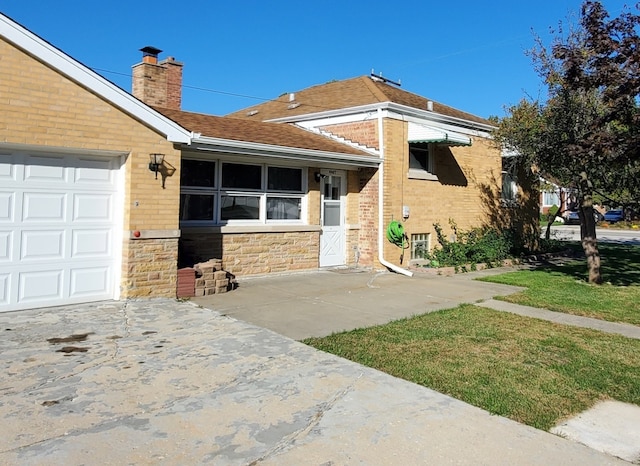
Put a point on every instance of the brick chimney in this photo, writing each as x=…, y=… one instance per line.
x=158, y=83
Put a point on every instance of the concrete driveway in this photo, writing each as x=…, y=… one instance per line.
x=320, y=303
x=165, y=382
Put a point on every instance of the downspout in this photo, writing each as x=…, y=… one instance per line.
x=381, y=259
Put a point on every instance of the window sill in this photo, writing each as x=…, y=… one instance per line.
x=250, y=228
x=421, y=175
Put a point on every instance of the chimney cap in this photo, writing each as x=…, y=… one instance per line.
x=150, y=51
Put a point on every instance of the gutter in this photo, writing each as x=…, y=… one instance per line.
x=267, y=150
x=381, y=259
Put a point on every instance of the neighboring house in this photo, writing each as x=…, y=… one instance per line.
x=83, y=216
x=552, y=194
x=440, y=164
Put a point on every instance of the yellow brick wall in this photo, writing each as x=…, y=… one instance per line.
x=38, y=106
x=463, y=193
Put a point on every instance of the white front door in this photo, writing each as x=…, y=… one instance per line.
x=58, y=217
x=332, y=236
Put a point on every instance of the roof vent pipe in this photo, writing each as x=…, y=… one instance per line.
x=430, y=105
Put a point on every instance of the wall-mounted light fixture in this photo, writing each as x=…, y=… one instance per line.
x=318, y=176
x=155, y=160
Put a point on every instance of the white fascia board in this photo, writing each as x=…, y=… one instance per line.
x=506, y=153
x=282, y=152
x=437, y=117
x=76, y=71
x=393, y=110
x=350, y=112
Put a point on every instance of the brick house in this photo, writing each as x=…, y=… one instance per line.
x=85, y=216
x=439, y=163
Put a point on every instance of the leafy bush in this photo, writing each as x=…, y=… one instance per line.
x=553, y=210
x=477, y=245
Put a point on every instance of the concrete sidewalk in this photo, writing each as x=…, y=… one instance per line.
x=164, y=382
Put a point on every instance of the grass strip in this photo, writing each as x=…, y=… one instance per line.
x=532, y=371
x=562, y=286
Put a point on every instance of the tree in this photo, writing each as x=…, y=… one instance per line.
x=586, y=135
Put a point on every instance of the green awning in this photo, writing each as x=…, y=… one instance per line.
x=423, y=133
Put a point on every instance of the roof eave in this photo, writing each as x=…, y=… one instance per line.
x=283, y=152
x=76, y=71
x=391, y=106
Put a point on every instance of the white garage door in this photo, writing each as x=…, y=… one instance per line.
x=58, y=217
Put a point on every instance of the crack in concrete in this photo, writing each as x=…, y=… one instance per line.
x=313, y=421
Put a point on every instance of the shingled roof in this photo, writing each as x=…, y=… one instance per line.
x=354, y=92
x=257, y=132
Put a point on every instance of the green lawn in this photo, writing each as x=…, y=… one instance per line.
x=532, y=371
x=562, y=287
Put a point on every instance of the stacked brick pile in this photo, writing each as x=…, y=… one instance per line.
x=203, y=279
x=212, y=279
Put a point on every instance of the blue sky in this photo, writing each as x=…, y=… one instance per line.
x=236, y=53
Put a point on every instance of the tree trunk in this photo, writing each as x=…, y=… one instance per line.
x=588, y=231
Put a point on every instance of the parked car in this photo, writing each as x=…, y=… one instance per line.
x=573, y=218
x=614, y=216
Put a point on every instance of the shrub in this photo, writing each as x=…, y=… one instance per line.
x=551, y=213
x=477, y=245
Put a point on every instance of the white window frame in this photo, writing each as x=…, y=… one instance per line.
x=509, y=198
x=218, y=191
x=548, y=194
x=418, y=172
x=420, y=238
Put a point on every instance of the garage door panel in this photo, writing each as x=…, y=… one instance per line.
x=7, y=207
x=40, y=169
x=95, y=171
x=5, y=286
x=42, y=245
x=40, y=286
x=90, y=281
x=6, y=245
x=91, y=244
x=44, y=207
x=92, y=207
x=8, y=168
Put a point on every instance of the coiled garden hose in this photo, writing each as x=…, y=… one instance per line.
x=397, y=236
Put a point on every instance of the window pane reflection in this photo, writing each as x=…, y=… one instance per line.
x=332, y=214
x=239, y=208
x=283, y=208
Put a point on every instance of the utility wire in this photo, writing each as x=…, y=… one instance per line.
x=214, y=91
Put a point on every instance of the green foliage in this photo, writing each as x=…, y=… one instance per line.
x=585, y=133
x=553, y=210
x=477, y=245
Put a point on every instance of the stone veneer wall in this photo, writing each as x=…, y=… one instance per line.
x=252, y=253
x=149, y=267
